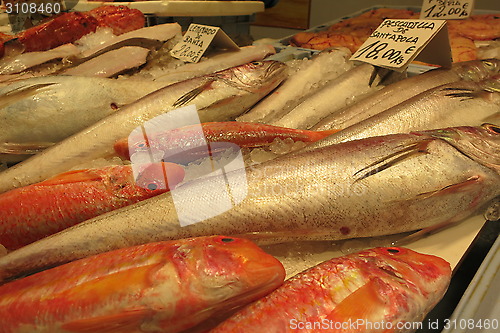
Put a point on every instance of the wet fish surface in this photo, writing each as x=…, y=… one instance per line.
x=30, y=213
x=398, y=92
x=39, y=112
x=389, y=289
x=157, y=287
x=362, y=188
x=460, y=103
x=218, y=97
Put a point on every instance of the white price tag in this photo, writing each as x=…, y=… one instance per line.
x=397, y=42
x=446, y=9
x=197, y=39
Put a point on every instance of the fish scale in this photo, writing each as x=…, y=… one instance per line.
x=227, y=94
x=347, y=294
x=313, y=195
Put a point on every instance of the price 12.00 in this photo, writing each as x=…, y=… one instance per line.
x=378, y=50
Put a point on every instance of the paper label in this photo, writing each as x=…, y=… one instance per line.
x=446, y=9
x=395, y=43
x=197, y=39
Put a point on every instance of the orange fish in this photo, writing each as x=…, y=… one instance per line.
x=33, y=212
x=157, y=287
x=188, y=143
x=377, y=290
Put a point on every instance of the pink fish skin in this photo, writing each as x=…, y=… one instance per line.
x=33, y=212
x=381, y=286
x=157, y=287
x=188, y=143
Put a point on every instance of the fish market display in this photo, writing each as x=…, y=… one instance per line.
x=36, y=211
x=377, y=290
x=362, y=188
x=189, y=143
x=157, y=287
x=352, y=32
x=312, y=75
x=218, y=97
x=39, y=112
x=454, y=104
x=399, y=92
x=333, y=96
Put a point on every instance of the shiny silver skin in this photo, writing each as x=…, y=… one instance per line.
x=398, y=92
x=371, y=187
x=220, y=96
x=462, y=103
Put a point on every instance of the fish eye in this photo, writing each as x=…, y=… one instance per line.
x=392, y=250
x=152, y=186
x=256, y=63
x=140, y=145
x=492, y=128
x=227, y=240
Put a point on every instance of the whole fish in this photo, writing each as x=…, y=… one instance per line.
x=311, y=75
x=188, y=143
x=215, y=63
x=461, y=103
x=39, y=112
x=35, y=211
x=378, y=290
x=157, y=287
x=218, y=97
x=335, y=95
x=398, y=92
x=362, y=188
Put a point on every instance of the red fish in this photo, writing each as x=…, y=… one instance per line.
x=69, y=27
x=189, y=143
x=378, y=290
x=33, y=212
x=156, y=287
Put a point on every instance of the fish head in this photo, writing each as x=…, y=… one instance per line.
x=235, y=271
x=258, y=75
x=152, y=179
x=480, y=143
x=430, y=274
x=476, y=70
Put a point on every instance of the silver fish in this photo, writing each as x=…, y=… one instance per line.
x=218, y=97
x=39, y=112
x=398, y=92
x=332, y=97
x=311, y=75
x=371, y=187
x=462, y=103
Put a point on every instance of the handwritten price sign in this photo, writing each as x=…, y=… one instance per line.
x=395, y=43
x=196, y=41
x=446, y=9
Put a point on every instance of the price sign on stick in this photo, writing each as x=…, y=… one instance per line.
x=395, y=43
x=446, y=9
x=197, y=39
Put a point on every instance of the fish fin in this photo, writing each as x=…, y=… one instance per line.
x=362, y=303
x=393, y=159
x=127, y=321
x=76, y=176
x=466, y=185
x=190, y=95
x=18, y=93
x=27, y=148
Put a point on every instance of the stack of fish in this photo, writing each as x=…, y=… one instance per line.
x=136, y=247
